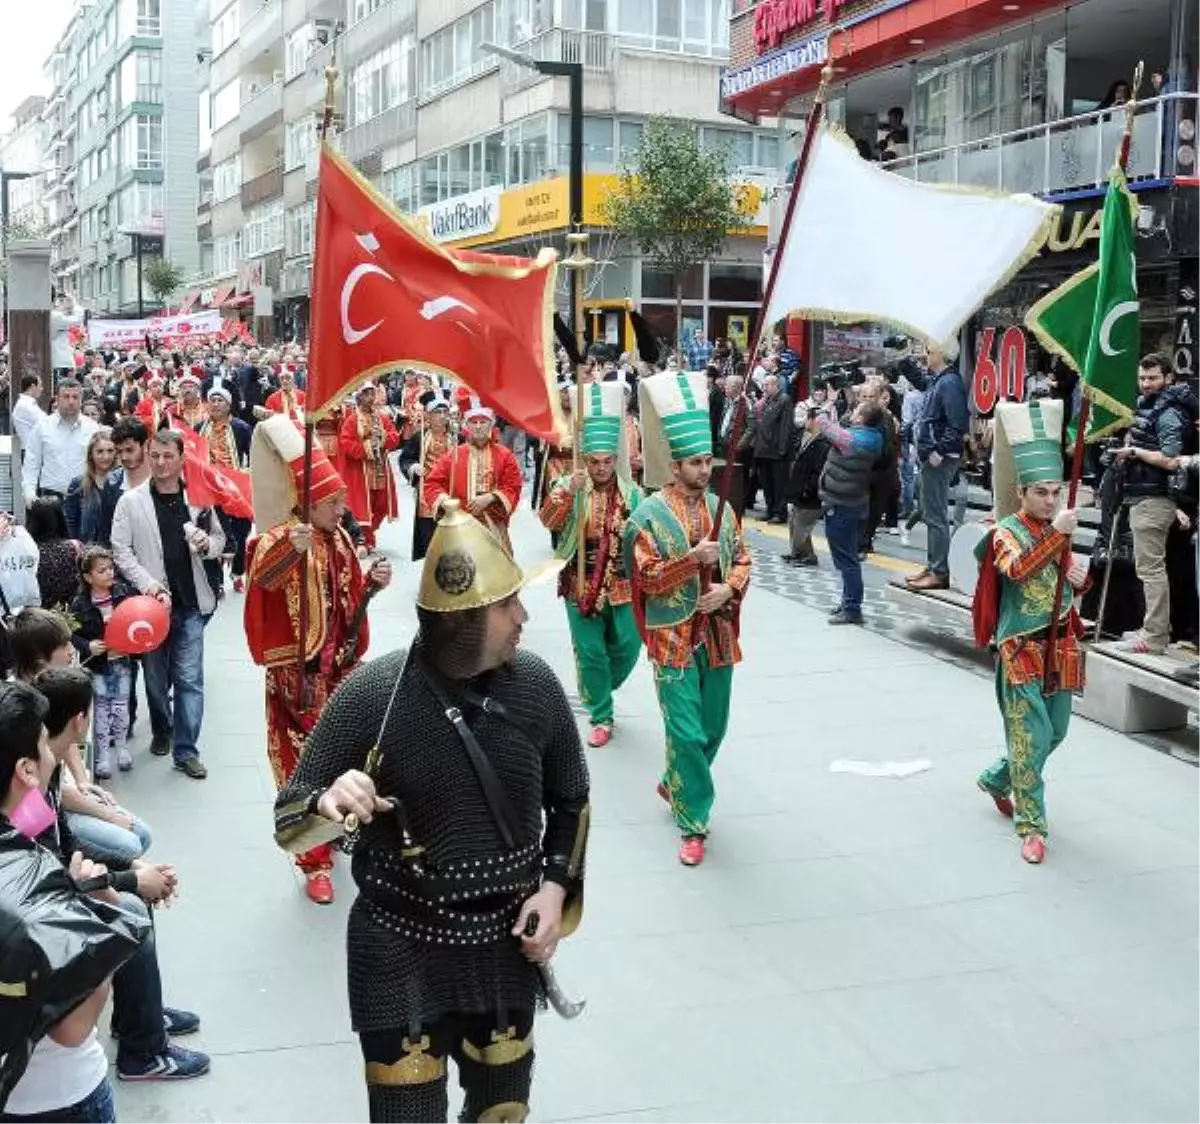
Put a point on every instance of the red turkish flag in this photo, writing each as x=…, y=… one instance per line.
x=208, y=485
x=385, y=296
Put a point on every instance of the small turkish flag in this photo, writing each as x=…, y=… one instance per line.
x=386, y=296
x=208, y=485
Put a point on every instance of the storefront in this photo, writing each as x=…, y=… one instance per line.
x=720, y=296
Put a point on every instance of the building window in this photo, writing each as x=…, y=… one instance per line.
x=518, y=21
x=263, y=229
x=597, y=143
x=227, y=253
x=225, y=30
x=453, y=55
x=299, y=235
x=227, y=178
x=299, y=142
x=360, y=9
x=296, y=57
x=140, y=207
x=382, y=81
x=398, y=184
x=141, y=142
x=586, y=15
x=738, y=143
x=205, y=112
x=226, y=105
x=141, y=77
x=139, y=17
x=694, y=26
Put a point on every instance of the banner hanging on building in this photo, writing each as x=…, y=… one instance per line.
x=116, y=333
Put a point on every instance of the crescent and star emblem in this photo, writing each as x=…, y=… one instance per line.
x=135, y=628
x=1117, y=312
x=352, y=334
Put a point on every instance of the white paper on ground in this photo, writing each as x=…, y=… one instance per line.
x=881, y=768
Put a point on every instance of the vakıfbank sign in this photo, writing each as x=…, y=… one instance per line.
x=464, y=216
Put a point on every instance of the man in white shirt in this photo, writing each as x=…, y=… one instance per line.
x=57, y=451
x=27, y=410
x=66, y=314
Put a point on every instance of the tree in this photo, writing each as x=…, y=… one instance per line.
x=162, y=278
x=675, y=202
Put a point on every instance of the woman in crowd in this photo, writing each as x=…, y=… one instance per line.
x=92, y=497
x=58, y=553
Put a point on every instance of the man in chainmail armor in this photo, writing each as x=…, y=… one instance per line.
x=456, y=771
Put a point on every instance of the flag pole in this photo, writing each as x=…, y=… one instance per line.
x=577, y=263
x=1050, y=675
x=303, y=608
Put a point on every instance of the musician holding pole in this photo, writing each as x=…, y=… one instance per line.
x=338, y=593
x=687, y=586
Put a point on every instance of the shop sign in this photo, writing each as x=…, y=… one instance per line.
x=1074, y=231
x=773, y=19
x=464, y=216
x=1001, y=378
x=792, y=59
x=1187, y=322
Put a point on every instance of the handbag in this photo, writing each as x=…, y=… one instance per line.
x=19, y=556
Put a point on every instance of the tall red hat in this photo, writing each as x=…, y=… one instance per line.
x=277, y=471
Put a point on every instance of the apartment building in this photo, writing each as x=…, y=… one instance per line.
x=120, y=156
x=21, y=151
x=442, y=125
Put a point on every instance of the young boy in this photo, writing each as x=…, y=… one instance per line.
x=140, y=1021
x=1019, y=563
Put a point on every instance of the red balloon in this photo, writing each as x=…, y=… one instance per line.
x=139, y=624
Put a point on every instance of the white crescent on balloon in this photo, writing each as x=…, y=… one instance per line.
x=135, y=628
x=1124, y=308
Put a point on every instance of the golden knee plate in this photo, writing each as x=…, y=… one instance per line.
x=512, y=1112
x=504, y=1049
x=417, y=1067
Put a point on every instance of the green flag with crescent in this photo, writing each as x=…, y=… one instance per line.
x=1092, y=320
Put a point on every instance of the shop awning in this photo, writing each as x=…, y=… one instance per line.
x=221, y=295
x=239, y=301
x=189, y=300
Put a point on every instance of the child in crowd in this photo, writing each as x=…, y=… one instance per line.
x=100, y=593
x=104, y=831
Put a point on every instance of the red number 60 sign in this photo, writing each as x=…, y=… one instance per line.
x=998, y=378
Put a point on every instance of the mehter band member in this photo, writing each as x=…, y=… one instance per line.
x=456, y=770
x=431, y=441
x=367, y=436
x=687, y=594
x=338, y=593
x=481, y=474
x=603, y=630
x=1014, y=602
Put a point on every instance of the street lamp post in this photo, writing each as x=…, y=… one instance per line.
x=573, y=72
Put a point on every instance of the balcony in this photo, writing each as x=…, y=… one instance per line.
x=263, y=31
x=269, y=185
x=384, y=128
x=595, y=49
x=379, y=28
x=258, y=109
x=1071, y=154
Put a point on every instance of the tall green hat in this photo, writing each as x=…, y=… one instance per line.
x=603, y=418
x=675, y=421
x=1028, y=448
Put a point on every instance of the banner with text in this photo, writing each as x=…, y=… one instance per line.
x=117, y=333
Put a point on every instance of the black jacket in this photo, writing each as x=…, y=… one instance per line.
x=810, y=451
x=774, y=435
x=89, y=626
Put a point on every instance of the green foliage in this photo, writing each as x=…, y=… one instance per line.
x=674, y=201
x=162, y=278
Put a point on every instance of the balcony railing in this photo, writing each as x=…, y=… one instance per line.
x=269, y=185
x=262, y=31
x=261, y=105
x=1071, y=154
x=595, y=49
x=374, y=30
x=384, y=128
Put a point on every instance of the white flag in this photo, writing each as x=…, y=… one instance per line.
x=868, y=244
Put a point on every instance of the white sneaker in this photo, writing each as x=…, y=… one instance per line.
x=905, y=538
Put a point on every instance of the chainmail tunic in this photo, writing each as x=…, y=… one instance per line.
x=403, y=967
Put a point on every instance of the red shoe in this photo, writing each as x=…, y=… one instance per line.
x=1004, y=804
x=319, y=889
x=691, y=850
x=1033, y=849
x=601, y=735
x=661, y=789
x=239, y=585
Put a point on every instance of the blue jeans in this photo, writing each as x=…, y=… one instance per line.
x=935, y=499
x=908, y=478
x=842, y=527
x=177, y=667
x=137, y=1005
x=96, y=1108
x=107, y=843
